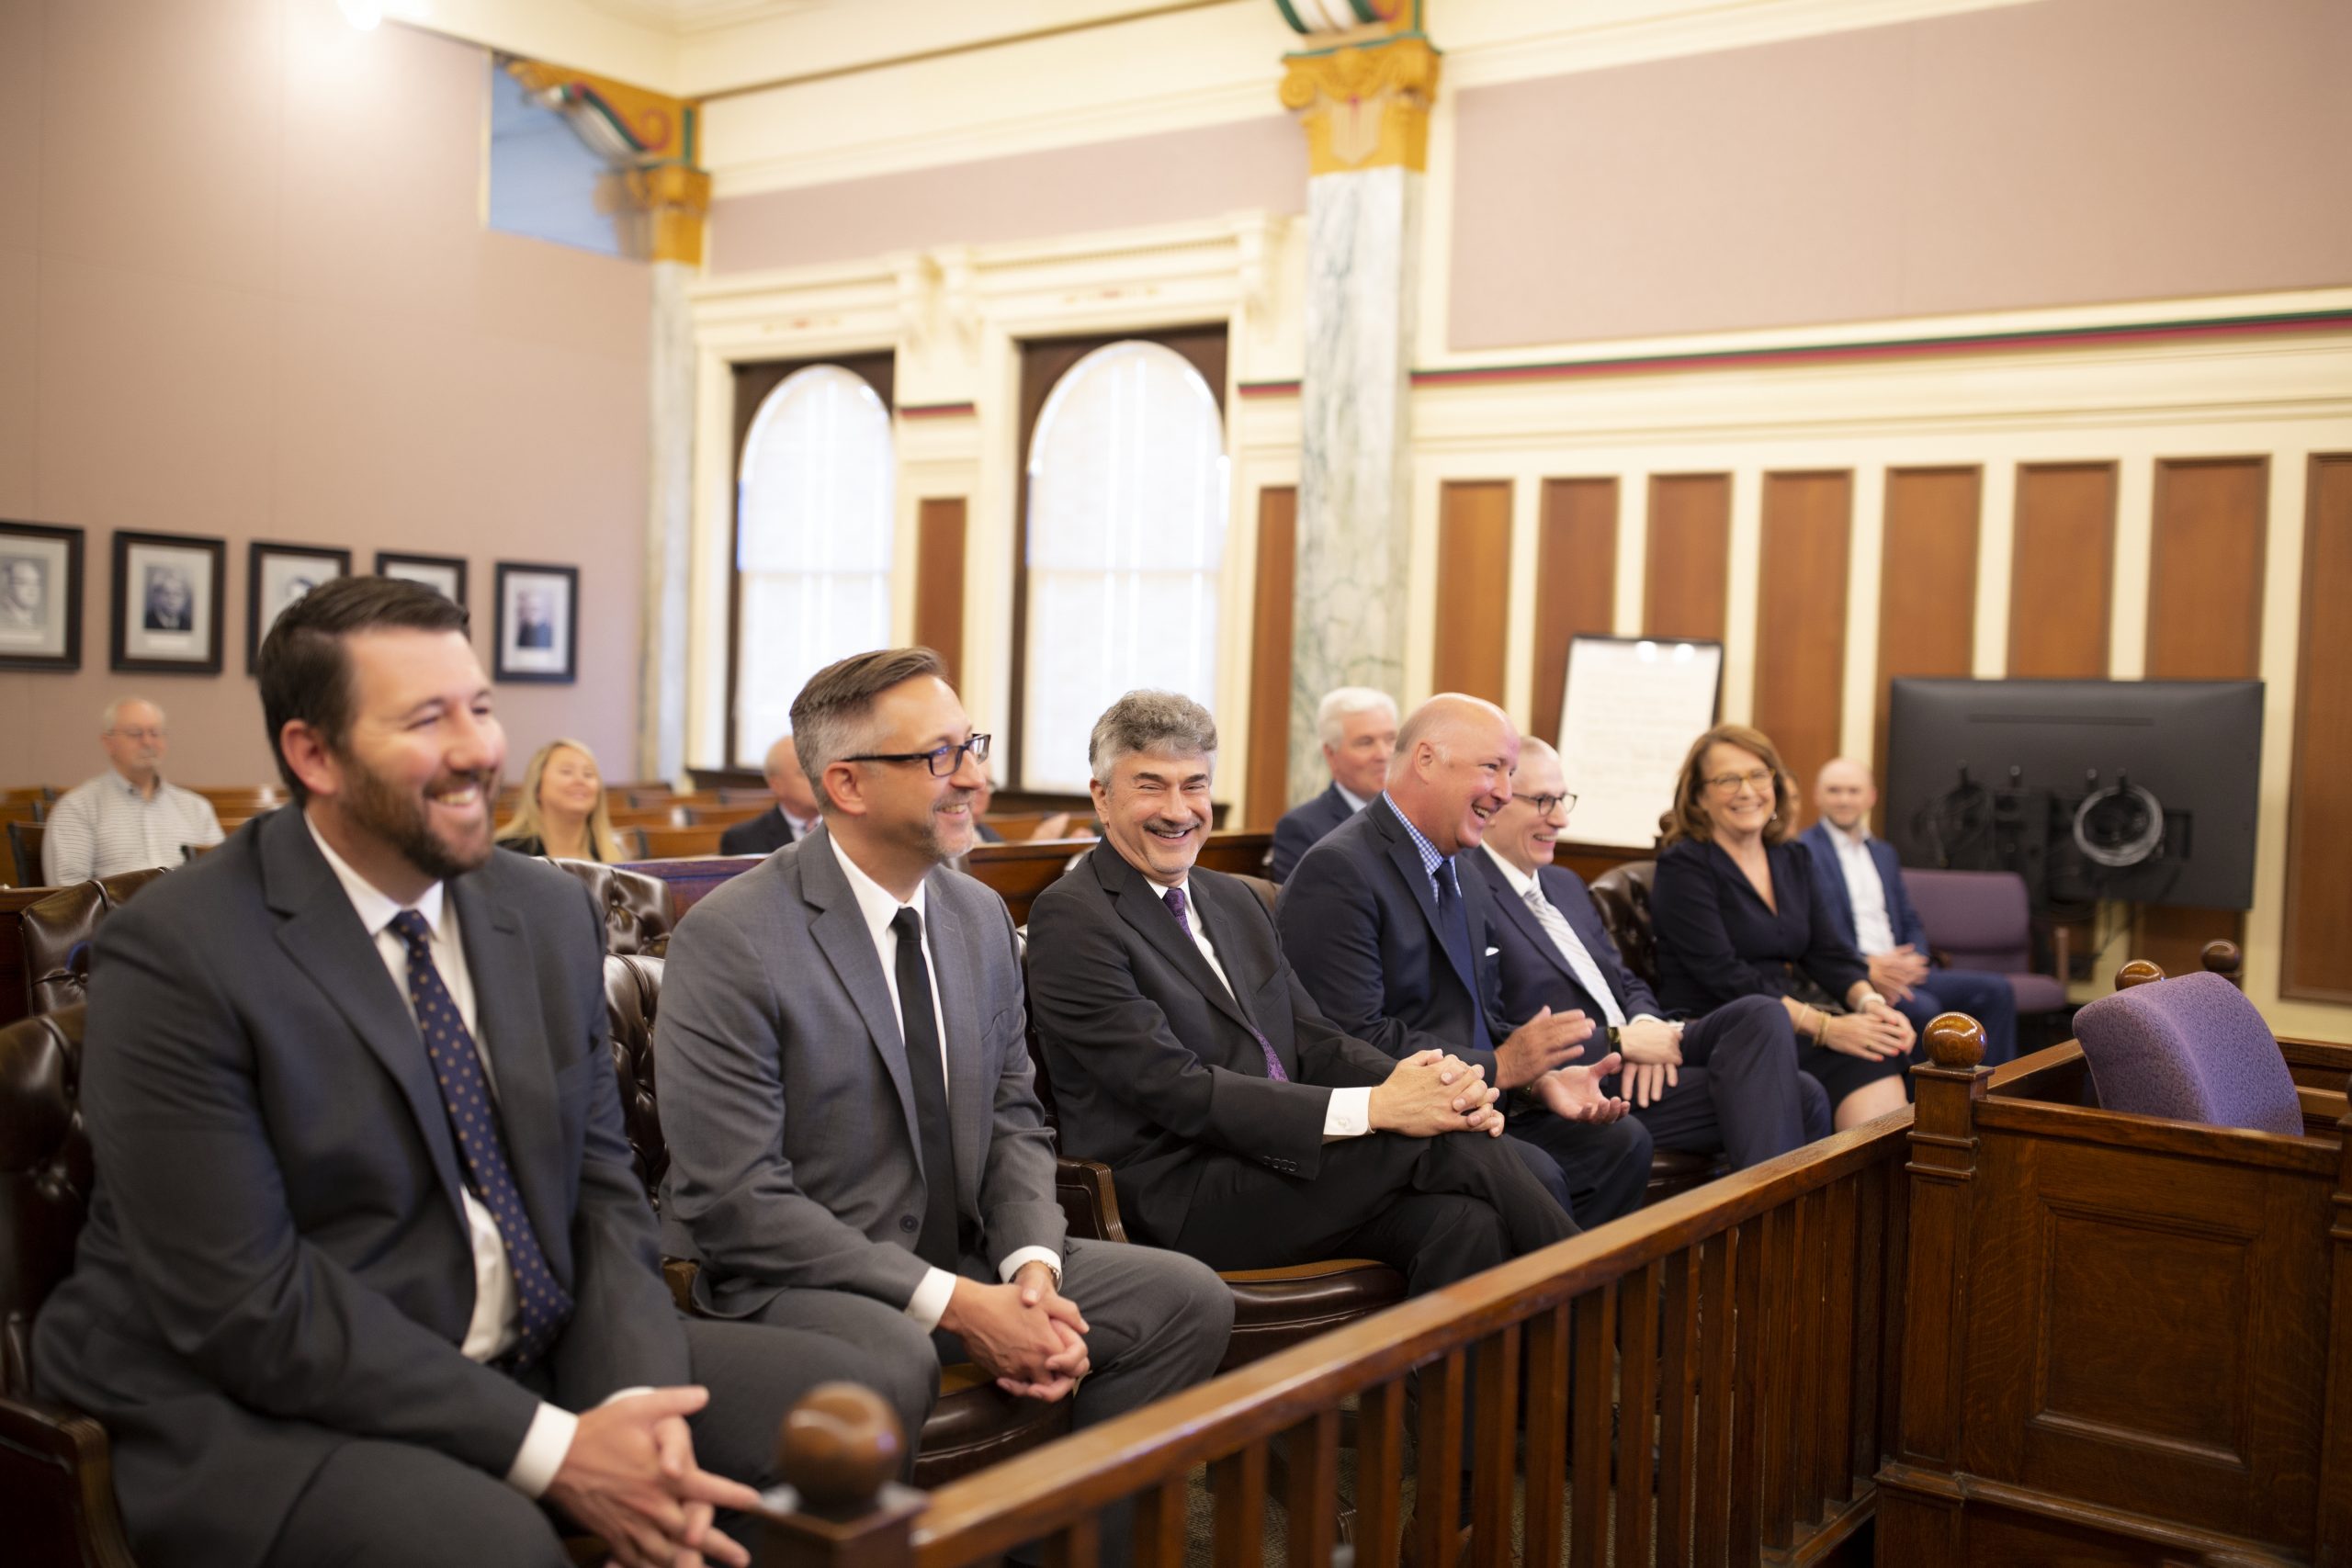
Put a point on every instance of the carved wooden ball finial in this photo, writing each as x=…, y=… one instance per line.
x=1955, y=1040
x=840, y=1445
x=2221, y=957
x=2139, y=972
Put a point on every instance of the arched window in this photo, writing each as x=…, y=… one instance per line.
x=812, y=544
x=1126, y=538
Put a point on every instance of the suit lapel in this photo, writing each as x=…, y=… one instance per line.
x=1832, y=867
x=842, y=935
x=1138, y=902
x=1516, y=911
x=321, y=932
x=515, y=1035
x=1567, y=895
x=1406, y=857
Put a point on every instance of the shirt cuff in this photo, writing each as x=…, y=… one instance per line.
x=1349, y=1113
x=929, y=1303
x=1044, y=1255
x=543, y=1449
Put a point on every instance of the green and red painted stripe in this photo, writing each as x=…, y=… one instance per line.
x=1834, y=352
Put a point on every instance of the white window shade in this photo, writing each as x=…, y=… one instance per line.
x=1126, y=542
x=812, y=544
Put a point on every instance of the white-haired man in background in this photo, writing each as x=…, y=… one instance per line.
x=1358, y=725
x=127, y=818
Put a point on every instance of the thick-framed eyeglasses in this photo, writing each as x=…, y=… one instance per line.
x=1546, y=804
x=942, y=762
x=1757, y=779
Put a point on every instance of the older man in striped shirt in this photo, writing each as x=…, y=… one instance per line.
x=127, y=818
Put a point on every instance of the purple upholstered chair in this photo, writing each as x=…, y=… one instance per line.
x=2192, y=1049
x=1979, y=919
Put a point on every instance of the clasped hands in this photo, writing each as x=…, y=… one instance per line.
x=1432, y=1092
x=1894, y=972
x=1027, y=1334
x=630, y=1477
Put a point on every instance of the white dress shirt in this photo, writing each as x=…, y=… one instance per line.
x=880, y=905
x=493, y=1329
x=1873, y=928
x=1355, y=802
x=1349, y=1115
x=1555, y=925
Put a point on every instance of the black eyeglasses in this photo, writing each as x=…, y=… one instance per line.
x=942, y=762
x=1544, y=804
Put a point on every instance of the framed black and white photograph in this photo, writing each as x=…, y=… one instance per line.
x=40, y=597
x=538, y=622
x=446, y=575
x=276, y=576
x=167, y=602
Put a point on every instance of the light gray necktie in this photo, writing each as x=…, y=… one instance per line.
x=1563, y=937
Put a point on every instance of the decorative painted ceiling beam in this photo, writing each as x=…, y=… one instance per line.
x=648, y=138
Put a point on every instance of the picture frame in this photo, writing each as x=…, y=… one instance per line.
x=40, y=596
x=538, y=623
x=169, y=591
x=277, y=574
x=446, y=575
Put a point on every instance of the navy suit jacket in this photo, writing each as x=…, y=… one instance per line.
x=1359, y=922
x=1900, y=915
x=1301, y=827
x=763, y=835
x=1535, y=974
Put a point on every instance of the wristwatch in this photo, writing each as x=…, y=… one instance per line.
x=1614, y=1031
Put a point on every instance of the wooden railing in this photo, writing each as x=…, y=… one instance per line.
x=1759, y=1316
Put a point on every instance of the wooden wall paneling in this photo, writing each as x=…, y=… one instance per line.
x=2205, y=576
x=1576, y=584
x=1687, y=565
x=1801, y=618
x=2316, y=964
x=1265, y=792
x=939, y=579
x=1473, y=588
x=2062, y=574
x=1927, y=590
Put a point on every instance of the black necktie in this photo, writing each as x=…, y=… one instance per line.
x=937, y=1246
x=1175, y=899
x=1453, y=924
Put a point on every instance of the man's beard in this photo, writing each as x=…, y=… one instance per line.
x=931, y=836
x=402, y=821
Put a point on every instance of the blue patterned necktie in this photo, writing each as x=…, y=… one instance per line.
x=465, y=1093
x=1453, y=925
x=1175, y=899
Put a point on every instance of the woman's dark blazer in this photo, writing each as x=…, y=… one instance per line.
x=1717, y=941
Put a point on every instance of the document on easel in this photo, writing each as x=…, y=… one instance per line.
x=1631, y=708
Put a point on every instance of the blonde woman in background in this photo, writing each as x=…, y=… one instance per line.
x=562, y=813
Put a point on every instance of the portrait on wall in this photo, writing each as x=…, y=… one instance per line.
x=275, y=577
x=446, y=575
x=167, y=602
x=40, y=597
x=538, y=617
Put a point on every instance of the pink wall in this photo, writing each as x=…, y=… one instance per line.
x=2062, y=152
x=1246, y=165
x=245, y=292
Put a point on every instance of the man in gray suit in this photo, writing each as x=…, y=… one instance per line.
x=855, y=1143
x=368, y=1275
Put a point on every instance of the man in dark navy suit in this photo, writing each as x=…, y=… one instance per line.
x=1865, y=886
x=1391, y=936
x=792, y=816
x=1727, y=1081
x=1359, y=729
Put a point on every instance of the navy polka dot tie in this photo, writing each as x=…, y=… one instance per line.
x=457, y=1067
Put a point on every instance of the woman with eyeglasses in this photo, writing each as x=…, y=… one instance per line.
x=1738, y=911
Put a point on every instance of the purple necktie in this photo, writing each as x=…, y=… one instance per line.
x=1175, y=899
x=465, y=1094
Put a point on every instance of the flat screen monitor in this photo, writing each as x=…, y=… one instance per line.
x=2143, y=791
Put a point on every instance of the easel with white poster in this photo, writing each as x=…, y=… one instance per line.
x=1631, y=708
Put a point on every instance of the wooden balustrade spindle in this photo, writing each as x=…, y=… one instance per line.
x=1077, y=1546
x=1637, y=1307
x=1380, y=1472
x=1588, y=1393
x=1311, y=1498
x=1749, y=1357
x=1238, y=1483
x=1160, y=1524
x=1776, y=1448
x=1870, y=1254
x=1835, y=1475
x=1548, y=1384
x=1718, y=1347
x=1437, y=1490
x=1677, y=1388
x=1816, y=1351
x=1493, y=1462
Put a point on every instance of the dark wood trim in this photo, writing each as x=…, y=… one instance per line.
x=1044, y=362
x=753, y=382
x=1470, y=648
x=1926, y=583
x=1576, y=586
x=939, y=579
x=2316, y=946
x=1801, y=591
x=2062, y=573
x=1266, y=793
x=1686, y=564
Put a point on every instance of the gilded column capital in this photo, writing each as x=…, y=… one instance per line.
x=675, y=201
x=1366, y=107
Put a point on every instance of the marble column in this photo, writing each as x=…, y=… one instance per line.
x=673, y=200
x=1365, y=111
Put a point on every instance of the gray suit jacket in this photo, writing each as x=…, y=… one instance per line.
x=786, y=1101
x=277, y=1260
